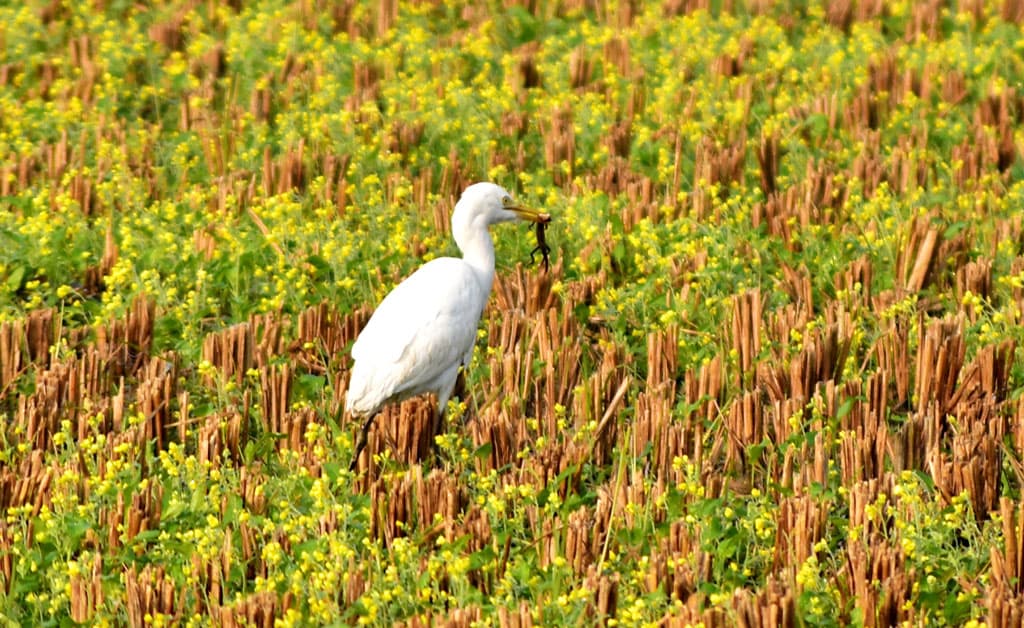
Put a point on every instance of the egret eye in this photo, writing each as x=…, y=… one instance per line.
x=506, y=200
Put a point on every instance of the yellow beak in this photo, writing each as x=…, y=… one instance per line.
x=531, y=215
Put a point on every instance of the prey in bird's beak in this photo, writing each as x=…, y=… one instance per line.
x=542, y=246
x=535, y=216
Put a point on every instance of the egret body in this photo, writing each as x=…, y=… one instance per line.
x=424, y=330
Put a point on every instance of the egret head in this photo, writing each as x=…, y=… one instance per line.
x=492, y=204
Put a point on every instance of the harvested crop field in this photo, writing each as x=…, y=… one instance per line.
x=772, y=377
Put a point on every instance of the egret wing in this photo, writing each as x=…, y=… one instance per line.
x=431, y=317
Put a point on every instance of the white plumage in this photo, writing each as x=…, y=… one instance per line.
x=424, y=330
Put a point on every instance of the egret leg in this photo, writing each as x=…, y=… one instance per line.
x=438, y=424
x=462, y=392
x=361, y=444
x=460, y=386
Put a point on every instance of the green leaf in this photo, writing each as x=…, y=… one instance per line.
x=262, y=447
x=320, y=264
x=483, y=452
x=14, y=278
x=817, y=125
x=308, y=386
x=755, y=451
x=727, y=546
x=845, y=407
x=619, y=252
x=75, y=530
x=331, y=470
x=954, y=229
x=234, y=506
x=148, y=535
x=482, y=557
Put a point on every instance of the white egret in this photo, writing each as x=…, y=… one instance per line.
x=424, y=330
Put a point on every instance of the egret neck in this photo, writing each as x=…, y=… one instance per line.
x=474, y=240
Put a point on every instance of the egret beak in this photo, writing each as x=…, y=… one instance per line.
x=532, y=215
